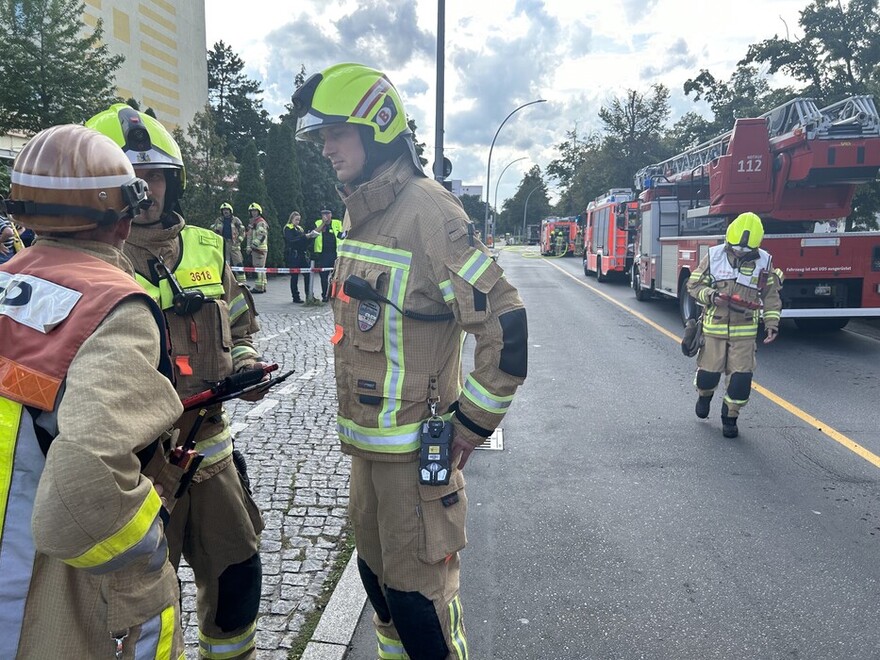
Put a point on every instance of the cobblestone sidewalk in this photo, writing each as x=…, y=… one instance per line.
x=298, y=474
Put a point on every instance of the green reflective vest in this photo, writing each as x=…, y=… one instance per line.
x=201, y=267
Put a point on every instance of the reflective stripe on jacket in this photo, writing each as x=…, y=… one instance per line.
x=408, y=239
x=78, y=518
x=335, y=227
x=754, y=281
x=201, y=267
x=211, y=343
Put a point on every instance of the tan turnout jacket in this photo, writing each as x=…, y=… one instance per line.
x=410, y=240
x=753, y=280
x=87, y=588
x=206, y=346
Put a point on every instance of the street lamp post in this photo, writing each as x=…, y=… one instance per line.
x=526, y=210
x=498, y=183
x=489, y=163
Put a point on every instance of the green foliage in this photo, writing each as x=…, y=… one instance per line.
x=210, y=173
x=866, y=208
x=252, y=188
x=420, y=146
x=53, y=69
x=528, y=206
x=240, y=119
x=573, y=154
x=283, y=178
x=746, y=94
x=634, y=127
x=836, y=57
x=474, y=207
x=5, y=182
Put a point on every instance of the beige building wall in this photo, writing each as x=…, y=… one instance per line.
x=164, y=44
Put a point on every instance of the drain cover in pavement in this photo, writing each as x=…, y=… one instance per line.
x=494, y=442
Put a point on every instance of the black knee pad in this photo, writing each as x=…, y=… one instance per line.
x=417, y=624
x=707, y=380
x=238, y=594
x=374, y=591
x=740, y=385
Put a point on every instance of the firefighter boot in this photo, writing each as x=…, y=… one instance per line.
x=728, y=424
x=702, y=407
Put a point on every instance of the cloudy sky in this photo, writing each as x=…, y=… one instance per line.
x=579, y=55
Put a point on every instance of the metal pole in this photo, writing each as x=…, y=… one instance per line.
x=489, y=162
x=498, y=183
x=438, y=120
x=526, y=209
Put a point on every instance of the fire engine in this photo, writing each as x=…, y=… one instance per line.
x=549, y=230
x=797, y=167
x=609, y=231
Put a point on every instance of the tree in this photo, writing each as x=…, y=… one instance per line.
x=5, y=179
x=53, y=69
x=533, y=188
x=573, y=154
x=252, y=188
x=283, y=178
x=420, y=146
x=474, y=207
x=210, y=172
x=746, y=94
x=239, y=118
x=634, y=128
x=689, y=131
x=838, y=54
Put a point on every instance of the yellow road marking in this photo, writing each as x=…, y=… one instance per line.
x=817, y=424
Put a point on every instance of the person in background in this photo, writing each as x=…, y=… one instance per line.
x=211, y=320
x=7, y=239
x=328, y=235
x=296, y=254
x=231, y=228
x=258, y=244
x=82, y=545
x=409, y=282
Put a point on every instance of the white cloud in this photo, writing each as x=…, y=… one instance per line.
x=499, y=55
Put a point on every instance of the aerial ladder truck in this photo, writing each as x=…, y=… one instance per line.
x=796, y=166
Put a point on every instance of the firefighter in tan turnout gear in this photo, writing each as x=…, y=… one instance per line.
x=409, y=280
x=210, y=318
x=85, y=392
x=258, y=244
x=737, y=284
x=231, y=228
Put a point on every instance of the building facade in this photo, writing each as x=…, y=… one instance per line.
x=164, y=44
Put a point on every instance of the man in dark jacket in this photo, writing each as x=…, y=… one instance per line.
x=296, y=254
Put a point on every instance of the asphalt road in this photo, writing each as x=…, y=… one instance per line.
x=616, y=525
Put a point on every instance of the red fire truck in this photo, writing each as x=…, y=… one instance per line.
x=797, y=167
x=550, y=229
x=609, y=231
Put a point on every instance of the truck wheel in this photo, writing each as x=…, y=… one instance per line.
x=641, y=294
x=600, y=277
x=687, y=306
x=587, y=271
x=820, y=325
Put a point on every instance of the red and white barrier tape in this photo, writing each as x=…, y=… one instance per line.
x=278, y=271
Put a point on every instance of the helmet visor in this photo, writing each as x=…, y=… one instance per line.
x=307, y=126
